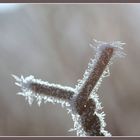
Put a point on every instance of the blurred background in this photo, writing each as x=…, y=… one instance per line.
x=51, y=42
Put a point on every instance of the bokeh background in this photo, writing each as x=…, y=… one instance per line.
x=51, y=42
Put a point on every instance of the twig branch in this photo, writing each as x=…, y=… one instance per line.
x=34, y=86
x=93, y=77
x=59, y=92
x=84, y=109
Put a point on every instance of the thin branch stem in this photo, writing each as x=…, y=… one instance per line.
x=59, y=92
x=85, y=107
x=93, y=77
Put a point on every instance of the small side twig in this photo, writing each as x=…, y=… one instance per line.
x=83, y=107
x=58, y=92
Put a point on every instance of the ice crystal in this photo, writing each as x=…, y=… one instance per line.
x=98, y=46
x=77, y=125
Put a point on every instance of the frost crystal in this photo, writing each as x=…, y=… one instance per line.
x=98, y=46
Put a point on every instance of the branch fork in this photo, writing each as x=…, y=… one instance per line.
x=82, y=101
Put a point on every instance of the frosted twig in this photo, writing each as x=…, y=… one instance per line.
x=93, y=77
x=85, y=106
x=81, y=101
x=53, y=90
x=34, y=88
x=93, y=122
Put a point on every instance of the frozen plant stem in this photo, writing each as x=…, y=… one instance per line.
x=52, y=90
x=90, y=120
x=93, y=78
x=82, y=101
